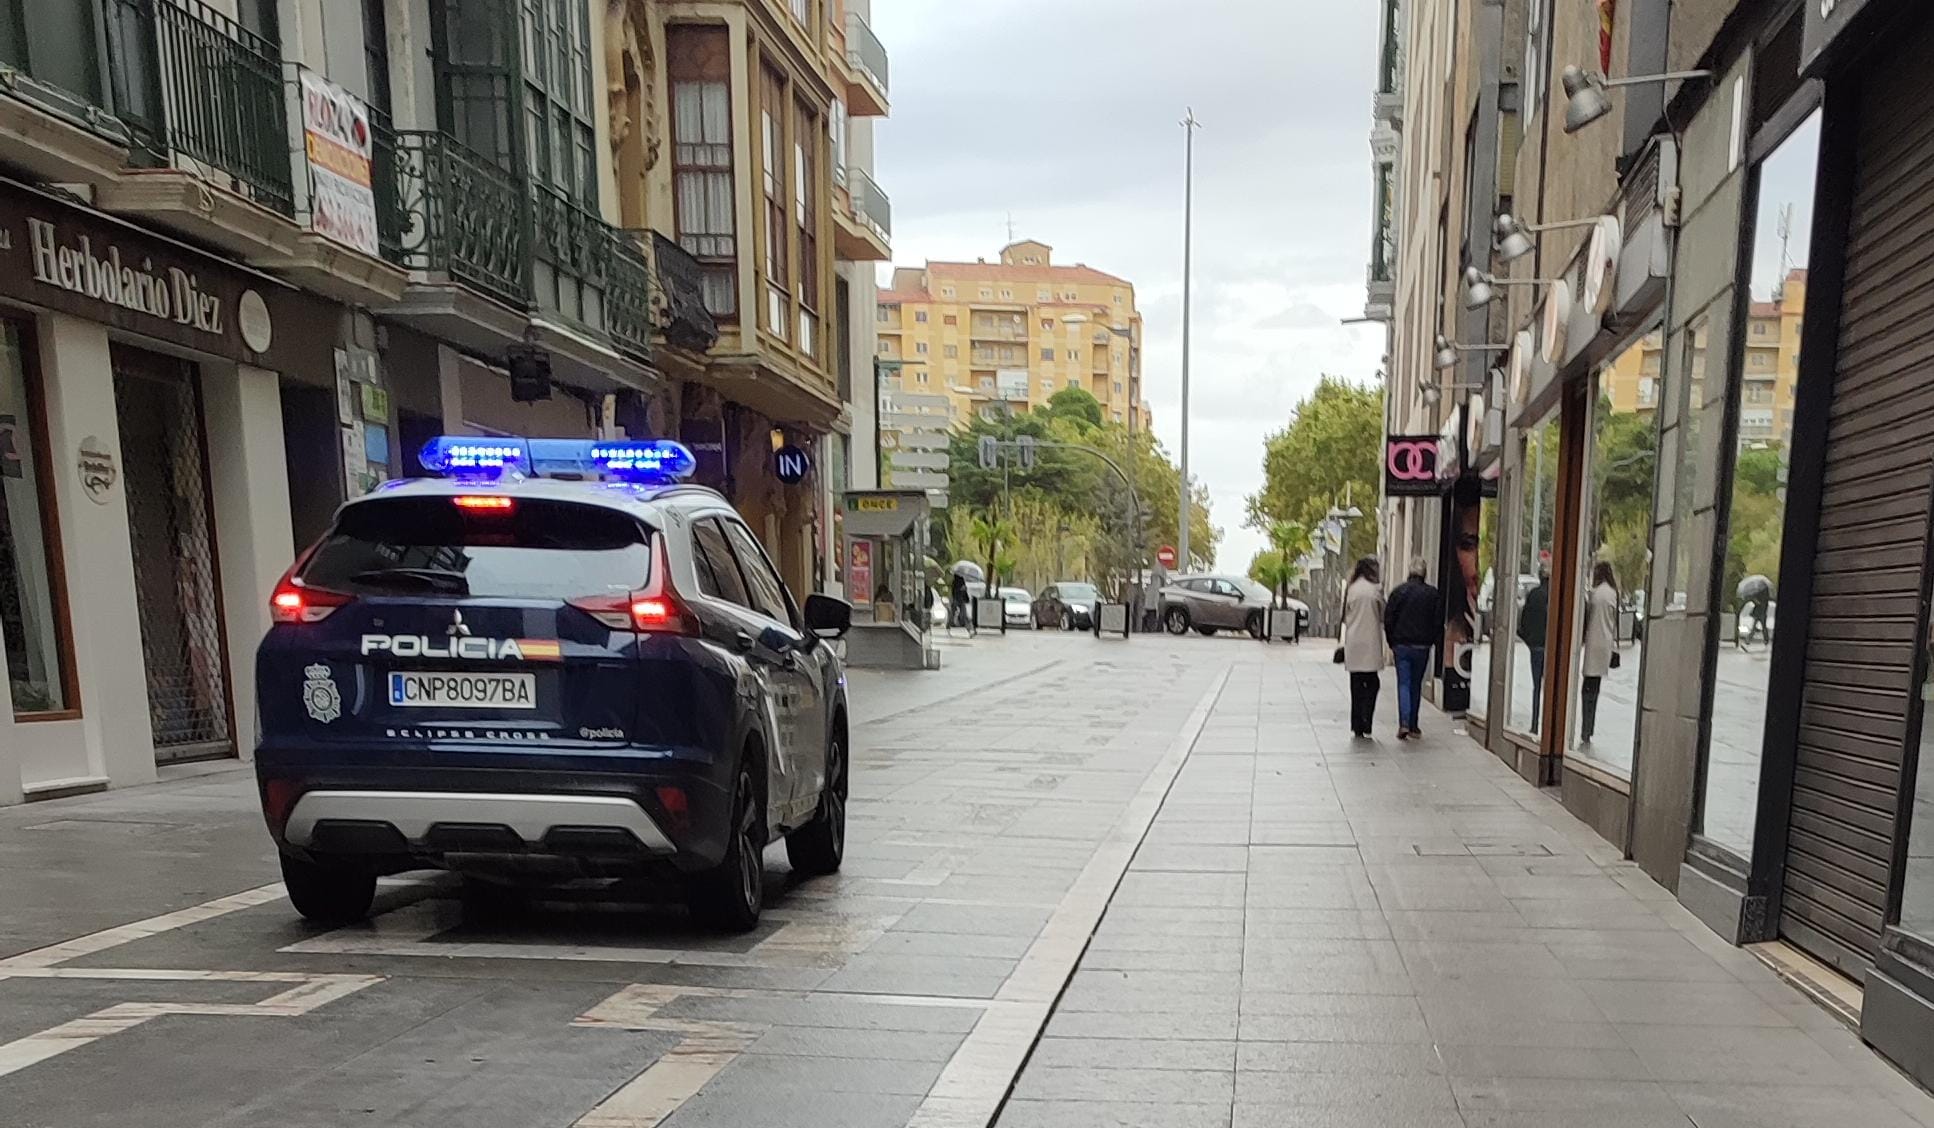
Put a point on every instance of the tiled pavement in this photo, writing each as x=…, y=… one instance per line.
x=1312, y=931
x=1326, y=932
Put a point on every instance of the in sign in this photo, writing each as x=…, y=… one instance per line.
x=790, y=464
x=1165, y=556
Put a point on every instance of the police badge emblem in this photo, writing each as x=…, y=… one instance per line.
x=320, y=695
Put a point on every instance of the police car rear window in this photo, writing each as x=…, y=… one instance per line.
x=430, y=546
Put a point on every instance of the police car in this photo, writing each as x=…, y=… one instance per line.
x=553, y=661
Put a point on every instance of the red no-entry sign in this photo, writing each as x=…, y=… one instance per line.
x=1165, y=556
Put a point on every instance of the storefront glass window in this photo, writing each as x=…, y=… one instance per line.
x=1623, y=460
x=1487, y=608
x=1757, y=517
x=1530, y=588
x=30, y=619
x=1917, y=886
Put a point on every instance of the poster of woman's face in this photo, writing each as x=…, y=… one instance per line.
x=1460, y=600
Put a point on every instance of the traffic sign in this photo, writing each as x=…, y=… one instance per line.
x=790, y=464
x=1165, y=556
x=988, y=451
x=1026, y=443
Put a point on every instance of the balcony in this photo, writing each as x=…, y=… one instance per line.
x=998, y=331
x=678, y=300
x=866, y=62
x=493, y=255
x=863, y=227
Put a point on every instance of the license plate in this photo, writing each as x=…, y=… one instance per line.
x=462, y=691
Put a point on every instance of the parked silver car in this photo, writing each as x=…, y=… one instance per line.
x=1211, y=603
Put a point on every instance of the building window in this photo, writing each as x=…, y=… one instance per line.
x=1118, y=299
x=1047, y=325
x=1006, y=294
x=920, y=376
x=881, y=315
x=376, y=55
x=836, y=130
x=986, y=292
x=886, y=348
x=1073, y=382
x=920, y=315
x=1069, y=296
x=953, y=351
x=951, y=319
x=33, y=615
x=1118, y=387
x=946, y=291
x=560, y=135
x=802, y=10
x=1047, y=354
x=1044, y=295
x=1754, y=516
x=1759, y=328
x=805, y=166
x=1047, y=386
x=1648, y=391
x=700, y=67
x=778, y=253
x=920, y=347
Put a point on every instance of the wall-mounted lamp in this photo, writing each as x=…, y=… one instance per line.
x=1514, y=235
x=1586, y=99
x=1433, y=392
x=1448, y=349
x=1480, y=288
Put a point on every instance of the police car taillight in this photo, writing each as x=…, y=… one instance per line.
x=646, y=614
x=295, y=603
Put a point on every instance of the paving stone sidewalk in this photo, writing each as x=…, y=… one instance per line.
x=1319, y=931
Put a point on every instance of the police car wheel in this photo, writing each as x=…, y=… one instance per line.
x=819, y=846
x=328, y=894
x=728, y=896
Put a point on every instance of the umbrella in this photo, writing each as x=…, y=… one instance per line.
x=967, y=569
x=1754, y=588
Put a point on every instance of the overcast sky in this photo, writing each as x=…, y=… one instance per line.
x=1065, y=114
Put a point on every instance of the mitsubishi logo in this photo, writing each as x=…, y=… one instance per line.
x=457, y=628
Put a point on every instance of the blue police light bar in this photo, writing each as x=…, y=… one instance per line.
x=645, y=459
x=472, y=456
x=487, y=458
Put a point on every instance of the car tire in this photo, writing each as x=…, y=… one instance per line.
x=1255, y=627
x=1067, y=620
x=1205, y=632
x=818, y=847
x=728, y=896
x=1176, y=620
x=328, y=894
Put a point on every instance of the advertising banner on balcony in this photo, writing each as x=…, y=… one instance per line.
x=336, y=133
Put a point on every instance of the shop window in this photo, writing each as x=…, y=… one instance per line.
x=1756, y=518
x=1483, y=568
x=33, y=618
x=1531, y=585
x=1615, y=545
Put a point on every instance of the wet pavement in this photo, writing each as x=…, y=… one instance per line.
x=1088, y=882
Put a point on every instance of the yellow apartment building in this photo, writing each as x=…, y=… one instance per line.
x=1771, y=369
x=1007, y=335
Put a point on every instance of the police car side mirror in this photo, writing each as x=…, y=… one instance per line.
x=827, y=617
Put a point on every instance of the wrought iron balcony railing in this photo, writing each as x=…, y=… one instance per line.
x=465, y=217
x=870, y=205
x=678, y=300
x=445, y=209
x=627, y=294
x=192, y=83
x=864, y=51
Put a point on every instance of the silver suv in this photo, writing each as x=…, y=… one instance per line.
x=1211, y=603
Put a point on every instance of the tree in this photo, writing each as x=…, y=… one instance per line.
x=1291, y=541
x=1274, y=571
x=1331, y=448
x=995, y=538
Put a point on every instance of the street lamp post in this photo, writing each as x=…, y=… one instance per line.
x=1184, y=512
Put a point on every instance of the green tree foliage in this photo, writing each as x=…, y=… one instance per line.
x=1071, y=515
x=1624, y=466
x=1757, y=520
x=1332, y=447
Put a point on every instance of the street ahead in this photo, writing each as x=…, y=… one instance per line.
x=1088, y=882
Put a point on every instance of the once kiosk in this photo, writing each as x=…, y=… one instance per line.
x=886, y=580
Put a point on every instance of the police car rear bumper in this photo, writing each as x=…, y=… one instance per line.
x=427, y=819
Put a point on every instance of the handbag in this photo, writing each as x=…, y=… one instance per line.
x=1338, y=656
x=1614, y=659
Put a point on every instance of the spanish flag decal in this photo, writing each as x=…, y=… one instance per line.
x=541, y=650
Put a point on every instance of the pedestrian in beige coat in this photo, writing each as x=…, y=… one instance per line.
x=1363, y=650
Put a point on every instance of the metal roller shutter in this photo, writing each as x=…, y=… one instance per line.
x=1865, y=618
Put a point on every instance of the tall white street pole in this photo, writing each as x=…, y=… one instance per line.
x=1185, y=511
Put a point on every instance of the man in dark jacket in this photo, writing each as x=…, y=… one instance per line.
x=1531, y=631
x=1413, y=622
